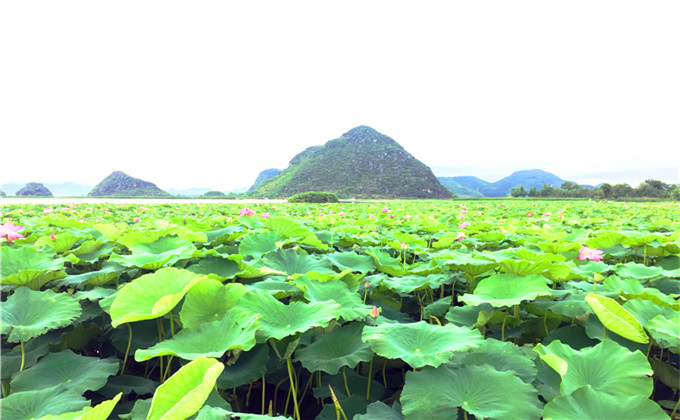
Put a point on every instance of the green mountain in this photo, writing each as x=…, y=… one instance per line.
x=264, y=176
x=501, y=188
x=35, y=189
x=122, y=185
x=360, y=163
x=71, y=189
x=459, y=189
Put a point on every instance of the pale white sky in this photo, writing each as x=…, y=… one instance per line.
x=209, y=93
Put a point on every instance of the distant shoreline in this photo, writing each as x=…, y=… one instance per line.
x=129, y=200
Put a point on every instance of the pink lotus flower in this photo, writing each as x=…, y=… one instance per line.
x=461, y=236
x=266, y=215
x=546, y=214
x=10, y=230
x=407, y=216
x=463, y=225
x=341, y=214
x=385, y=210
x=246, y=212
x=136, y=219
x=53, y=237
x=591, y=254
x=530, y=215
x=391, y=216
x=47, y=211
x=403, y=245
x=375, y=312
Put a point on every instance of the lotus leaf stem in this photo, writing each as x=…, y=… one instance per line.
x=276, y=389
x=383, y=373
x=167, y=368
x=127, y=350
x=465, y=416
x=338, y=407
x=250, y=389
x=23, y=356
x=264, y=385
x=344, y=379
x=370, y=378
x=675, y=409
x=293, y=388
x=505, y=316
x=649, y=348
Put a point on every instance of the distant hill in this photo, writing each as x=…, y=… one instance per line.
x=501, y=188
x=189, y=192
x=123, y=185
x=459, y=189
x=360, y=163
x=58, y=189
x=34, y=189
x=264, y=176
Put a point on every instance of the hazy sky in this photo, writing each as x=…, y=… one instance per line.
x=208, y=94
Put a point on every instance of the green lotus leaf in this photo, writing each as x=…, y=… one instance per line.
x=109, y=231
x=184, y=393
x=280, y=320
x=589, y=269
x=151, y=256
x=380, y=411
x=290, y=229
x=209, y=300
x=91, y=251
x=507, y=289
x=290, y=262
x=502, y=356
x=337, y=291
x=386, y=263
x=638, y=271
x=109, y=273
x=248, y=271
x=136, y=237
x=28, y=313
x=351, y=260
x=525, y=268
x=77, y=372
x=100, y=411
x=480, y=390
x=25, y=266
x=250, y=366
x=607, y=240
x=589, y=403
x=33, y=350
x=643, y=310
x=127, y=384
x=420, y=344
x=342, y=346
x=219, y=413
x=61, y=243
x=472, y=266
x=607, y=367
x=259, y=244
x=42, y=402
x=151, y=295
x=220, y=236
x=235, y=331
x=408, y=284
x=615, y=318
x=216, y=267
x=190, y=235
x=666, y=331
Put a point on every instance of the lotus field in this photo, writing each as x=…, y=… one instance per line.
x=385, y=310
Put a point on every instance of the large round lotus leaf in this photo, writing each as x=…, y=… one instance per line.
x=614, y=317
x=607, y=367
x=290, y=229
x=127, y=384
x=340, y=347
x=78, y=373
x=25, y=266
x=39, y=403
x=385, y=263
x=480, y=390
x=151, y=295
x=216, y=267
x=503, y=356
x=507, y=289
x=470, y=265
x=353, y=261
x=337, y=291
x=421, y=344
x=184, y=393
x=643, y=310
x=250, y=366
x=666, y=331
x=209, y=300
x=151, y=256
x=109, y=273
x=28, y=313
x=259, y=244
x=60, y=244
x=100, y=411
x=236, y=330
x=290, y=262
x=33, y=350
x=380, y=411
x=638, y=271
x=524, y=268
x=407, y=284
x=589, y=269
x=280, y=320
x=589, y=403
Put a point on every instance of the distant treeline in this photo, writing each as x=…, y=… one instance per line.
x=651, y=188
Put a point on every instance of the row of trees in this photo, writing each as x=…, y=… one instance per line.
x=651, y=188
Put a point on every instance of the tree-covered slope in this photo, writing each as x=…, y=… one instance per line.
x=458, y=189
x=123, y=185
x=361, y=163
x=35, y=189
x=264, y=176
x=501, y=188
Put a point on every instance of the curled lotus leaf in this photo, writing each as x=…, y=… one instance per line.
x=507, y=289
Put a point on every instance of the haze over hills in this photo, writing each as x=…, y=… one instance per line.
x=70, y=189
x=472, y=186
x=122, y=184
x=360, y=163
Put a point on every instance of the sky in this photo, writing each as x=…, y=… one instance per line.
x=210, y=93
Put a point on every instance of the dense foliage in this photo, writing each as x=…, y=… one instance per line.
x=314, y=197
x=361, y=163
x=264, y=176
x=470, y=186
x=34, y=189
x=119, y=184
x=650, y=188
x=417, y=310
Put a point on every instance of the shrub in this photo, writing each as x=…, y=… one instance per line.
x=313, y=197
